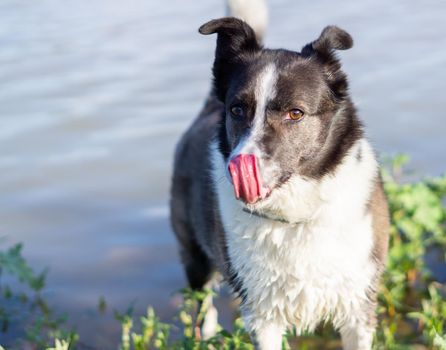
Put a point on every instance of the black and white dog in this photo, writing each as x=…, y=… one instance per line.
x=276, y=188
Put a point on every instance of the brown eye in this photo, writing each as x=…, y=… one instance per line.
x=237, y=111
x=295, y=114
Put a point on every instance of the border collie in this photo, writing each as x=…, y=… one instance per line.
x=276, y=188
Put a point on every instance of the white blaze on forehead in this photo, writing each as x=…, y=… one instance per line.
x=264, y=91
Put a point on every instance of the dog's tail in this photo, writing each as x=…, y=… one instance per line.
x=253, y=12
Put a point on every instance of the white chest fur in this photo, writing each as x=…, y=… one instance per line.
x=319, y=266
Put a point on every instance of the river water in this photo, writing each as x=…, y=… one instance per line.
x=94, y=95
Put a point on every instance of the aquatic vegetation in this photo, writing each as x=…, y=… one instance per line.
x=24, y=304
x=412, y=301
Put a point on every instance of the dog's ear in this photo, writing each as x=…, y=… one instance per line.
x=323, y=49
x=332, y=38
x=236, y=39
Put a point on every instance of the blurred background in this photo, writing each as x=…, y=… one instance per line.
x=95, y=94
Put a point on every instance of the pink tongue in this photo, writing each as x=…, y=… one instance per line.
x=246, y=177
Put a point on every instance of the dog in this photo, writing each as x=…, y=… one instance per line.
x=276, y=187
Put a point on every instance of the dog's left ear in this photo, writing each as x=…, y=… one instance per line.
x=236, y=39
x=332, y=38
x=323, y=49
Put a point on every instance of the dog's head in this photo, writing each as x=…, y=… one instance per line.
x=286, y=112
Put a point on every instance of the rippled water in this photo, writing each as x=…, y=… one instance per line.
x=94, y=95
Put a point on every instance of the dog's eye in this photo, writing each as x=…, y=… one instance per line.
x=295, y=114
x=237, y=111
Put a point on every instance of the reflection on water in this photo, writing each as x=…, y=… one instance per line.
x=94, y=95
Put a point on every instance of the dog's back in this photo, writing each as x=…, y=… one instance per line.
x=193, y=201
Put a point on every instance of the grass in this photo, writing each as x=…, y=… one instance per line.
x=412, y=303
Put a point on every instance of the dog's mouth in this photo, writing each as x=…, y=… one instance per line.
x=247, y=180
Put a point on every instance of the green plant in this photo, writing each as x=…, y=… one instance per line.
x=418, y=226
x=154, y=334
x=27, y=307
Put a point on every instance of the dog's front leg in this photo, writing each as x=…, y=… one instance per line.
x=267, y=337
x=209, y=324
x=357, y=337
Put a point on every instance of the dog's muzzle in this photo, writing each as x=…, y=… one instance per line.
x=246, y=178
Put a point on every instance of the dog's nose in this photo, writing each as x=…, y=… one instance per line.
x=246, y=177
